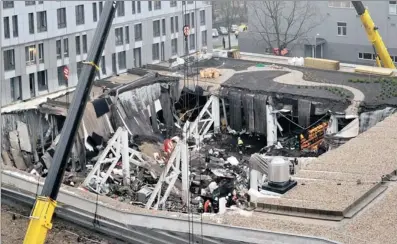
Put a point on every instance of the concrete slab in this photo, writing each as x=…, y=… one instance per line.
x=23, y=134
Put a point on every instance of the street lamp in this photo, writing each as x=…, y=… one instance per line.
x=315, y=45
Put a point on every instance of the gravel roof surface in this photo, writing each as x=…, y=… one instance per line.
x=376, y=224
x=366, y=158
x=321, y=195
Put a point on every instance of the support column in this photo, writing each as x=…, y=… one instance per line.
x=185, y=171
x=125, y=157
x=216, y=114
x=254, y=179
x=271, y=126
x=333, y=125
x=224, y=111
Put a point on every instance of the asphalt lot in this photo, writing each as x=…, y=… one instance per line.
x=217, y=41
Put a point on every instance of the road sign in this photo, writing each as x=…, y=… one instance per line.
x=66, y=72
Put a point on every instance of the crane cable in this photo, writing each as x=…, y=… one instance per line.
x=186, y=101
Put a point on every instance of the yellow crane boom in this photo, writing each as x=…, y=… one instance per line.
x=383, y=58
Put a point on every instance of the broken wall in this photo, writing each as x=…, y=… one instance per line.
x=31, y=118
x=135, y=105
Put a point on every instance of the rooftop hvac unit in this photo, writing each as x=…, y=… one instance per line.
x=279, y=176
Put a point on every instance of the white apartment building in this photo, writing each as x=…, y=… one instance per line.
x=39, y=38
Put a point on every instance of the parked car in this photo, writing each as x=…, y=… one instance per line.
x=215, y=33
x=234, y=28
x=222, y=30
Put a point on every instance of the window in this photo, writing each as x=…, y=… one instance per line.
x=120, y=9
x=133, y=7
x=6, y=27
x=80, y=15
x=8, y=4
x=392, y=7
x=172, y=25
x=138, y=32
x=204, y=38
x=394, y=58
x=31, y=23
x=15, y=26
x=187, y=19
x=41, y=2
x=103, y=65
x=78, y=49
x=122, y=60
x=29, y=3
x=61, y=15
x=157, y=5
x=367, y=56
x=340, y=4
x=173, y=3
x=156, y=28
x=100, y=7
x=58, y=49
x=30, y=55
x=183, y=2
x=202, y=17
x=176, y=24
x=139, y=6
x=9, y=60
x=42, y=80
x=94, y=13
x=155, y=52
x=119, y=36
x=16, y=88
x=342, y=29
x=190, y=2
x=192, y=42
x=32, y=85
x=174, y=46
x=85, y=45
x=79, y=69
x=61, y=76
x=162, y=53
x=41, y=53
x=163, y=26
x=149, y=6
x=65, y=47
x=41, y=21
x=193, y=20
x=127, y=34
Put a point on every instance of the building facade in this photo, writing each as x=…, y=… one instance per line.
x=339, y=34
x=40, y=38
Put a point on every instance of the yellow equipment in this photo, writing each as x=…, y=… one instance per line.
x=383, y=58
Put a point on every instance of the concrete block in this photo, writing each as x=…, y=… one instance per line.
x=24, y=139
x=16, y=151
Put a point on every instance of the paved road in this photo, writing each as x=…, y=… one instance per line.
x=217, y=42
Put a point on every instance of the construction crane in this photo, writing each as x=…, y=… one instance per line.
x=383, y=58
x=44, y=208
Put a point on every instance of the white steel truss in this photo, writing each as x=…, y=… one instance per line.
x=116, y=149
x=209, y=115
x=178, y=162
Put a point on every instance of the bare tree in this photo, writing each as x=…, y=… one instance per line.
x=281, y=23
x=230, y=13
